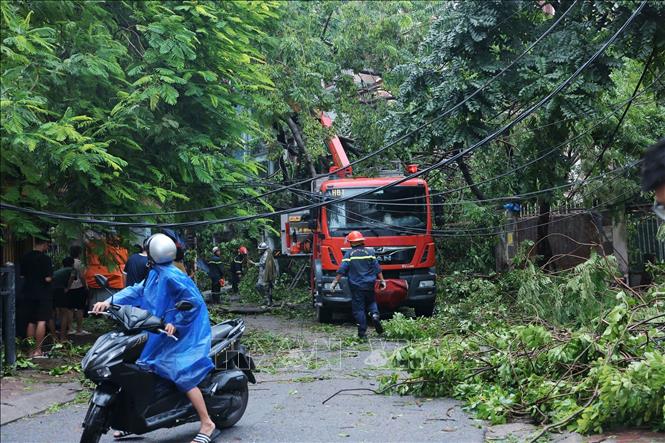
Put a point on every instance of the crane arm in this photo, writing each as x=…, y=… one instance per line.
x=336, y=148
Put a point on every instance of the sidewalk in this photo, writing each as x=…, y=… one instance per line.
x=32, y=392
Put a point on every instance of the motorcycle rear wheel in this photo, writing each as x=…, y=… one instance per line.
x=93, y=426
x=235, y=416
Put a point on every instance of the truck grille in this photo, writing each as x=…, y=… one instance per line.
x=392, y=255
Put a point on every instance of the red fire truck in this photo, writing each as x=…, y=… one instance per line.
x=396, y=223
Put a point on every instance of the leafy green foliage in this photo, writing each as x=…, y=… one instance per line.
x=124, y=107
x=470, y=42
x=576, y=298
x=315, y=48
x=404, y=328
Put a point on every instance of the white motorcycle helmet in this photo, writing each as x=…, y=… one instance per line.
x=161, y=249
x=263, y=246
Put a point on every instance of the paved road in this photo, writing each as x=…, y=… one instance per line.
x=286, y=403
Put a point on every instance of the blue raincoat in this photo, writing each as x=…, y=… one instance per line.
x=185, y=362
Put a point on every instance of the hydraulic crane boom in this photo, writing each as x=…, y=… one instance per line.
x=341, y=168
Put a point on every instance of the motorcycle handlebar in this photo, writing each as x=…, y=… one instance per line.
x=98, y=313
x=167, y=334
x=108, y=314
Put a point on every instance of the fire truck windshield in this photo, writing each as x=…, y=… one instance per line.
x=400, y=210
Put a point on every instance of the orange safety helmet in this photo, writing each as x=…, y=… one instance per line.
x=243, y=250
x=355, y=237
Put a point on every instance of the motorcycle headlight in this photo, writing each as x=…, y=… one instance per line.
x=426, y=284
x=103, y=372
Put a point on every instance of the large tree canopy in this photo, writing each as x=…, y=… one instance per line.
x=134, y=106
x=470, y=42
x=128, y=106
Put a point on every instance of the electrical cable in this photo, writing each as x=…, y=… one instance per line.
x=365, y=157
x=580, y=212
x=471, y=233
x=420, y=231
x=466, y=151
x=516, y=197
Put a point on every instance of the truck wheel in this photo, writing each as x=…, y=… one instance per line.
x=425, y=310
x=323, y=314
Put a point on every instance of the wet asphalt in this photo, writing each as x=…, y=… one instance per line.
x=286, y=403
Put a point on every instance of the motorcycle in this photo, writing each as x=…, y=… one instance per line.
x=134, y=401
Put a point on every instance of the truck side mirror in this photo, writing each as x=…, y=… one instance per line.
x=312, y=219
x=102, y=281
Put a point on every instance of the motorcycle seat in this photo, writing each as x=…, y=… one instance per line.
x=220, y=332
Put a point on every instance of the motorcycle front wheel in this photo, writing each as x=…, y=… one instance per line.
x=235, y=416
x=94, y=424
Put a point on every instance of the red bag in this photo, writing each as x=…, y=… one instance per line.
x=395, y=293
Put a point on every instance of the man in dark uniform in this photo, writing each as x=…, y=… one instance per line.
x=238, y=267
x=362, y=269
x=216, y=273
x=653, y=176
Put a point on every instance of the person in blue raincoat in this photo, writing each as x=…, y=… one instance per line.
x=185, y=362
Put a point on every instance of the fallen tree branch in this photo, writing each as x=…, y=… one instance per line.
x=566, y=420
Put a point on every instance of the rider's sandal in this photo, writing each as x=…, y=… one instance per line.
x=121, y=434
x=203, y=438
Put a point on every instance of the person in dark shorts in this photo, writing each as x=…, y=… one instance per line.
x=37, y=271
x=62, y=281
x=77, y=295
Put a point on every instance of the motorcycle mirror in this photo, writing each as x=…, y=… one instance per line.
x=102, y=281
x=184, y=305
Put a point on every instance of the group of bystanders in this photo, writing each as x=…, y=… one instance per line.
x=51, y=297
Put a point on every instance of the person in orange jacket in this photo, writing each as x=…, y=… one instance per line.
x=108, y=258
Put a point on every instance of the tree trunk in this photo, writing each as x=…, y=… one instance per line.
x=469, y=180
x=297, y=135
x=544, y=249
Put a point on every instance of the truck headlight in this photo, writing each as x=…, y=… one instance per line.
x=426, y=284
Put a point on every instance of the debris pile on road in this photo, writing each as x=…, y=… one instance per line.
x=587, y=374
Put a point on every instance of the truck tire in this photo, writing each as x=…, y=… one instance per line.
x=323, y=314
x=425, y=309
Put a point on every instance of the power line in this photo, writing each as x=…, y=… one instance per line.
x=516, y=197
x=421, y=231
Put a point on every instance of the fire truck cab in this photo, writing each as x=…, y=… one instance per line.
x=396, y=223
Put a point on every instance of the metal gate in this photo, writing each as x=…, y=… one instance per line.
x=8, y=317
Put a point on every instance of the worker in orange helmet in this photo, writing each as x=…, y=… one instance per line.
x=362, y=269
x=238, y=267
